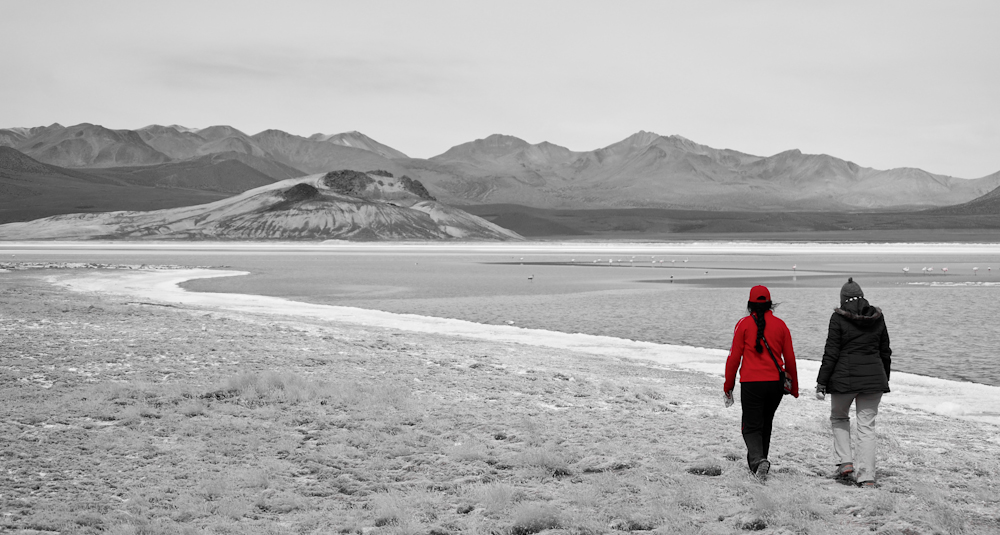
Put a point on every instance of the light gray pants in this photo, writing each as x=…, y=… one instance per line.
x=866, y=408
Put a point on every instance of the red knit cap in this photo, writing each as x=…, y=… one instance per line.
x=759, y=294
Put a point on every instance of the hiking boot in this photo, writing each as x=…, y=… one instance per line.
x=867, y=485
x=762, y=469
x=843, y=471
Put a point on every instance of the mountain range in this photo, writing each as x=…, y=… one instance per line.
x=644, y=170
x=651, y=171
x=645, y=186
x=343, y=205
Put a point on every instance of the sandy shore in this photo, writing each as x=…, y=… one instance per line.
x=130, y=406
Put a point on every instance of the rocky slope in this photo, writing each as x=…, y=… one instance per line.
x=338, y=205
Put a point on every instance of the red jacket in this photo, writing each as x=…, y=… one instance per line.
x=754, y=366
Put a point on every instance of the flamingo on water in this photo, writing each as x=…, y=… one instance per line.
x=975, y=271
x=906, y=270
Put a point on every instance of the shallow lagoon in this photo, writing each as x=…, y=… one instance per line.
x=692, y=294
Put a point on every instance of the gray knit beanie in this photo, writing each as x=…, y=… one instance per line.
x=850, y=290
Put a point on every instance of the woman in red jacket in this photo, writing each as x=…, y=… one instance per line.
x=762, y=352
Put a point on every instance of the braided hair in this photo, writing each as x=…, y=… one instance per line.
x=757, y=310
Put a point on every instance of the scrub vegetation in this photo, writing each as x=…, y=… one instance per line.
x=129, y=417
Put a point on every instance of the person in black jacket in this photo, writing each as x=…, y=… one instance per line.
x=855, y=369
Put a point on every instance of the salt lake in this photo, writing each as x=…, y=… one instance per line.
x=941, y=324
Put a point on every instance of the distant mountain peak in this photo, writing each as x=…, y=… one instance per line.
x=643, y=138
x=358, y=140
x=161, y=128
x=492, y=146
x=503, y=140
x=217, y=132
x=274, y=132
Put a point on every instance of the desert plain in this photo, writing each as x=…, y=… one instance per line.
x=127, y=414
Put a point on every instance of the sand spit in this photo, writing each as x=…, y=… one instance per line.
x=951, y=398
x=122, y=411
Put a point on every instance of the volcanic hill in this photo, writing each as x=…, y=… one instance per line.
x=345, y=205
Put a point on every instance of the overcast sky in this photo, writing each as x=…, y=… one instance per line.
x=884, y=84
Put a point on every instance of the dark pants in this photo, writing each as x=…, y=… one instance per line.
x=759, y=400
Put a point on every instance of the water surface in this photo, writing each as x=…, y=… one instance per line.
x=941, y=324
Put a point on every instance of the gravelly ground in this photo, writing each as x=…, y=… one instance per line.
x=130, y=417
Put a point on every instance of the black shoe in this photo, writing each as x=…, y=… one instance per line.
x=762, y=469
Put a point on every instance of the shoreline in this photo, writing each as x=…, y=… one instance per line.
x=963, y=400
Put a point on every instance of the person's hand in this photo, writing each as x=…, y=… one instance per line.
x=820, y=392
x=727, y=398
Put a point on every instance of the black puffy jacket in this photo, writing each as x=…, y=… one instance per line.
x=856, y=358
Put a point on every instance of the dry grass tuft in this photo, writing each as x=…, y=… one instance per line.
x=389, y=510
x=496, y=498
x=535, y=517
x=937, y=511
x=260, y=388
x=552, y=462
x=469, y=450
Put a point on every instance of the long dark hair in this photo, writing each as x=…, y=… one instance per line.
x=757, y=310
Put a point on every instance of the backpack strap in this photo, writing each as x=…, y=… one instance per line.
x=781, y=372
